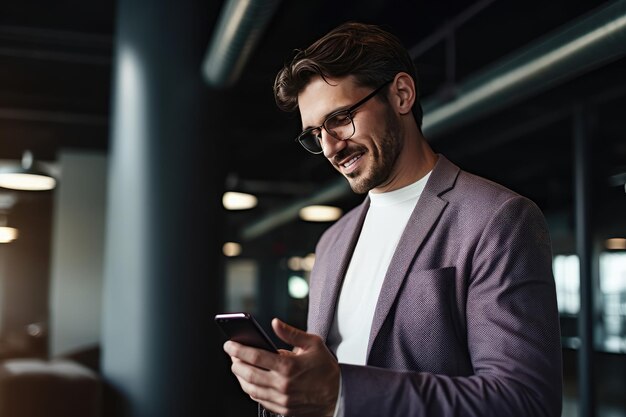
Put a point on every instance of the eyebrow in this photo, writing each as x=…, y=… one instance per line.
x=327, y=115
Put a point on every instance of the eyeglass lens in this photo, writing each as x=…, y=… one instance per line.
x=339, y=126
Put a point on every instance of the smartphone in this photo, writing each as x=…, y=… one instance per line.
x=243, y=328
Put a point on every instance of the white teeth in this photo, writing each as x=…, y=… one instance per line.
x=352, y=161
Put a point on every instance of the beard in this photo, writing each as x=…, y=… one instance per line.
x=383, y=157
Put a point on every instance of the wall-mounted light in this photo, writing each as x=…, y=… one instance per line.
x=308, y=262
x=616, y=243
x=231, y=249
x=29, y=176
x=298, y=287
x=317, y=213
x=7, y=234
x=238, y=201
x=297, y=263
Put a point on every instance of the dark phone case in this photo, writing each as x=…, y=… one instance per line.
x=244, y=329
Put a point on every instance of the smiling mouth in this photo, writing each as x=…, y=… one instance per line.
x=352, y=161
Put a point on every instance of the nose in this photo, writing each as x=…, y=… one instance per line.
x=331, y=145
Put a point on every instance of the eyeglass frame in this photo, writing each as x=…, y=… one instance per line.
x=348, y=113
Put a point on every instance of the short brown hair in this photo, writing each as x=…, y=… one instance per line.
x=367, y=52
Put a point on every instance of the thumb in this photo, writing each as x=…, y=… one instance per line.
x=291, y=335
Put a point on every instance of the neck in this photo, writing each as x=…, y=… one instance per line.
x=416, y=159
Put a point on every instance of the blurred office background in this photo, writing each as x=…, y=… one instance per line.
x=153, y=117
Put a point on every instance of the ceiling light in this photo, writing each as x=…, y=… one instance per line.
x=231, y=249
x=616, y=243
x=29, y=176
x=238, y=201
x=320, y=213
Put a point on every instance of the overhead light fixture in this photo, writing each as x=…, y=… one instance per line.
x=29, y=176
x=317, y=213
x=238, y=201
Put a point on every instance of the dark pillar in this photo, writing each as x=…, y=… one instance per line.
x=584, y=248
x=161, y=352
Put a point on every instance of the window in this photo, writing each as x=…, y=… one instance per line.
x=613, y=295
x=567, y=279
x=611, y=323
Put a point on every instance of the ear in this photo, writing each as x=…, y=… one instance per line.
x=402, y=93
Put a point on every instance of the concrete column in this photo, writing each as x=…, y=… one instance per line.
x=162, y=269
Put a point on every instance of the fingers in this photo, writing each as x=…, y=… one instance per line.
x=253, y=356
x=252, y=375
x=289, y=334
x=253, y=382
x=292, y=335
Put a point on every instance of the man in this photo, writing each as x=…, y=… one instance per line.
x=435, y=296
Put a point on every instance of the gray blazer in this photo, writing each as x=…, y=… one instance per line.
x=466, y=323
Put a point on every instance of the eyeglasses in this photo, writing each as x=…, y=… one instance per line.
x=339, y=124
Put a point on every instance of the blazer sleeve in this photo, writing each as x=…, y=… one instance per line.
x=512, y=331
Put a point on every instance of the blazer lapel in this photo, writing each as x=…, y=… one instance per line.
x=425, y=215
x=333, y=274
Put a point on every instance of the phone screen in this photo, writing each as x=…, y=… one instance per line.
x=243, y=328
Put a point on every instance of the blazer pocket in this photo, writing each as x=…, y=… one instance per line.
x=427, y=307
x=429, y=290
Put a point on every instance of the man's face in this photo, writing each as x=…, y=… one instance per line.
x=368, y=158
